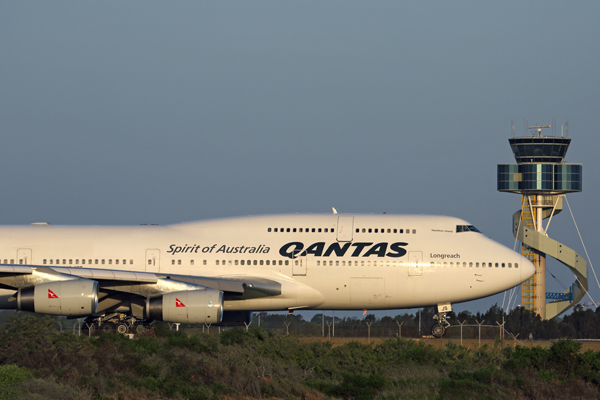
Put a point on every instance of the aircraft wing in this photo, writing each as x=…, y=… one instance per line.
x=116, y=287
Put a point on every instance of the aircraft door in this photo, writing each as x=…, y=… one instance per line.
x=344, y=228
x=415, y=263
x=299, y=266
x=24, y=256
x=152, y=260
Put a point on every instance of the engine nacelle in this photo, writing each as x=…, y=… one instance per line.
x=187, y=307
x=236, y=318
x=77, y=297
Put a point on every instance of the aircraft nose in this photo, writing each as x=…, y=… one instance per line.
x=527, y=270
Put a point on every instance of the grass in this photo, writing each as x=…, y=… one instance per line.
x=38, y=362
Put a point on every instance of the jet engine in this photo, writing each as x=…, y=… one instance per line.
x=71, y=298
x=188, y=307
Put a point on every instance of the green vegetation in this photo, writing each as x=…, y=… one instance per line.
x=580, y=324
x=37, y=362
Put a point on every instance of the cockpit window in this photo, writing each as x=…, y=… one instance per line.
x=466, y=228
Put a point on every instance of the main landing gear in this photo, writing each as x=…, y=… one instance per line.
x=114, y=322
x=440, y=327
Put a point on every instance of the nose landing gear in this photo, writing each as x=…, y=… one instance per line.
x=440, y=327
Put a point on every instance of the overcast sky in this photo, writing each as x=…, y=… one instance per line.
x=161, y=112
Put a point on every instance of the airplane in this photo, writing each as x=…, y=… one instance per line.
x=219, y=271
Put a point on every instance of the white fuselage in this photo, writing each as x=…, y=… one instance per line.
x=322, y=261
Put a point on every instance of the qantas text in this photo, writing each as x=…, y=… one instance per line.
x=295, y=249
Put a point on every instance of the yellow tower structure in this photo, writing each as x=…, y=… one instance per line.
x=542, y=179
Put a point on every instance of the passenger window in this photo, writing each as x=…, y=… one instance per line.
x=364, y=230
x=102, y=261
x=509, y=265
x=337, y=263
x=432, y=264
x=255, y=262
x=269, y=230
x=313, y=230
x=117, y=261
x=287, y=262
x=203, y=262
x=414, y=231
x=318, y=263
x=287, y=230
x=44, y=261
x=131, y=261
x=64, y=261
x=178, y=262
x=375, y=230
x=319, y=230
x=268, y=262
x=476, y=265
x=357, y=230
x=471, y=265
x=445, y=265
x=96, y=262
x=294, y=230
x=362, y=263
x=149, y=262
x=172, y=262
x=235, y=262
x=192, y=262
x=395, y=230
x=496, y=265
x=295, y=262
x=83, y=261
x=516, y=265
x=275, y=230
x=242, y=262
x=300, y=230
x=370, y=230
x=401, y=230
x=281, y=262
x=408, y=231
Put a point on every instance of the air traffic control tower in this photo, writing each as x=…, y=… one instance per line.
x=542, y=179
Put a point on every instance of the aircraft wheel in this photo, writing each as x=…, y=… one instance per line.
x=140, y=328
x=107, y=327
x=438, y=331
x=121, y=328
